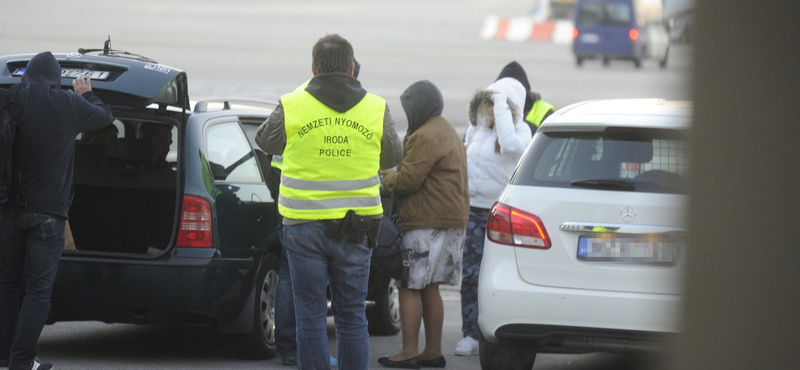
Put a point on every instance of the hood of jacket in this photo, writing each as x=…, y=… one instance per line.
x=337, y=90
x=42, y=69
x=421, y=101
x=515, y=71
x=513, y=90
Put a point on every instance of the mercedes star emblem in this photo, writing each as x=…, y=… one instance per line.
x=627, y=214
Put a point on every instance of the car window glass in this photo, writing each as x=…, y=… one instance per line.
x=250, y=130
x=655, y=160
x=617, y=13
x=229, y=154
x=172, y=157
x=604, y=13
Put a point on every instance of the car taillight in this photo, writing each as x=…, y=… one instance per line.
x=195, y=227
x=511, y=226
x=633, y=34
x=574, y=33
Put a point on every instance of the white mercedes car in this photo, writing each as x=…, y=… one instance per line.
x=585, y=247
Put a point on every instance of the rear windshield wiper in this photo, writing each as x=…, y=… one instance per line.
x=605, y=184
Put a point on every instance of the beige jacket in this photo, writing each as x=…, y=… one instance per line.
x=431, y=181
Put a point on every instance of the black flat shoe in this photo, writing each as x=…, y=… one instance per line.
x=411, y=363
x=436, y=362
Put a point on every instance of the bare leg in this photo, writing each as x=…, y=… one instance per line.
x=410, y=319
x=433, y=317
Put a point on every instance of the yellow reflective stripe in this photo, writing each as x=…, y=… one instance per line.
x=325, y=199
x=333, y=185
x=330, y=204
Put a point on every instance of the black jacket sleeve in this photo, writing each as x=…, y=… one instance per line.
x=90, y=112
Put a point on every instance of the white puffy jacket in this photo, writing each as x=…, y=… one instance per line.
x=488, y=170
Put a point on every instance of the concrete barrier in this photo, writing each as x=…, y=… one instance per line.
x=522, y=29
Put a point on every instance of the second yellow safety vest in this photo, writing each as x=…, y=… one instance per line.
x=538, y=111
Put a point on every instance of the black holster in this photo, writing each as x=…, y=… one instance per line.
x=355, y=227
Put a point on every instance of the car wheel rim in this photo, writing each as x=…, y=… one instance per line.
x=394, y=301
x=269, y=292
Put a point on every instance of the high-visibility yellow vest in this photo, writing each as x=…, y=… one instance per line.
x=331, y=159
x=539, y=109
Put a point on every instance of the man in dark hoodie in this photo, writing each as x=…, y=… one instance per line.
x=334, y=136
x=285, y=324
x=536, y=109
x=32, y=222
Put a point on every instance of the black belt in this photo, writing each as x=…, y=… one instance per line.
x=355, y=227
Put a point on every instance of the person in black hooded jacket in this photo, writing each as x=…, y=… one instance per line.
x=536, y=110
x=32, y=221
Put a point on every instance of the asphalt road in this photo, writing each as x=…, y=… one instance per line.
x=98, y=346
x=262, y=49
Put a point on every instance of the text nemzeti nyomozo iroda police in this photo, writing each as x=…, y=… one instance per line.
x=302, y=131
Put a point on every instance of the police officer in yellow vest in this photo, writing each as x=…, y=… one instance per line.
x=285, y=326
x=333, y=137
x=536, y=109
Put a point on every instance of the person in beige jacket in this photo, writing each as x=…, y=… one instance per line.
x=431, y=183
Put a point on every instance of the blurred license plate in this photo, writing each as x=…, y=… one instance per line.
x=629, y=248
x=590, y=38
x=71, y=73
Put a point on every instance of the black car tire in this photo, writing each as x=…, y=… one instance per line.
x=384, y=318
x=506, y=355
x=579, y=61
x=259, y=344
x=606, y=62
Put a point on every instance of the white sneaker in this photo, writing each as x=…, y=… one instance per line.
x=467, y=347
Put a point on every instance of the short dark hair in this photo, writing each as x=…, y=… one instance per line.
x=332, y=53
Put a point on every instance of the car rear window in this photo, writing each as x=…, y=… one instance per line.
x=604, y=13
x=641, y=160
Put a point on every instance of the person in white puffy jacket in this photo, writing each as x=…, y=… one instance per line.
x=495, y=141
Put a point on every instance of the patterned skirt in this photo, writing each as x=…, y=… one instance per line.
x=436, y=256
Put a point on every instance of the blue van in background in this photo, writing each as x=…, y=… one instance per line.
x=620, y=29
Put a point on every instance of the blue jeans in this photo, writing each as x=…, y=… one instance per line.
x=30, y=249
x=315, y=261
x=285, y=330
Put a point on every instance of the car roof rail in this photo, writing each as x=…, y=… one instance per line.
x=202, y=106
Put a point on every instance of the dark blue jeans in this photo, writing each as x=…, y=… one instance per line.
x=30, y=249
x=285, y=330
x=314, y=261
